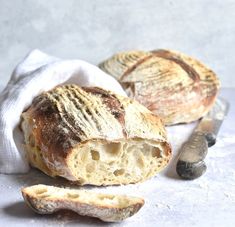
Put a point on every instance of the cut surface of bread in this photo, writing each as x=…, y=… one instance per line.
x=178, y=88
x=92, y=136
x=45, y=199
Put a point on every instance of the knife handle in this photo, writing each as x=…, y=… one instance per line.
x=211, y=139
x=190, y=164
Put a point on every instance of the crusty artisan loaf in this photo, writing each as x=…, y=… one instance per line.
x=92, y=136
x=173, y=85
x=45, y=199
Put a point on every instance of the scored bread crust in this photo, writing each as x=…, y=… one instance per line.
x=93, y=136
x=45, y=199
x=178, y=88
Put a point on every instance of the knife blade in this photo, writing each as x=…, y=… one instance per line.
x=190, y=164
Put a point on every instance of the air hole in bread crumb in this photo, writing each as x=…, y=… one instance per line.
x=44, y=195
x=41, y=190
x=113, y=148
x=72, y=196
x=106, y=197
x=118, y=172
x=156, y=152
x=140, y=162
x=90, y=167
x=95, y=155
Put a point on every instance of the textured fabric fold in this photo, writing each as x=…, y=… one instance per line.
x=39, y=72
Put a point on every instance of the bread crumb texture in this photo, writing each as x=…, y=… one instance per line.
x=45, y=199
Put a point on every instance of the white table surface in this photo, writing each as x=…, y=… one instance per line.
x=169, y=201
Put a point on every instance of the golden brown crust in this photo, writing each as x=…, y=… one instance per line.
x=67, y=118
x=112, y=102
x=45, y=199
x=178, y=88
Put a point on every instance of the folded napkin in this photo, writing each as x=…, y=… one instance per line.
x=39, y=72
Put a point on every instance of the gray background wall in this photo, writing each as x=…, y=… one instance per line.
x=93, y=30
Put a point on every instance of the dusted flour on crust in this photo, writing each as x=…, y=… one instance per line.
x=178, y=88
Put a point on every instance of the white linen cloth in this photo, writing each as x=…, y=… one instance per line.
x=36, y=73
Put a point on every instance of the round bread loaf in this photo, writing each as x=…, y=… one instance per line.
x=178, y=88
x=93, y=136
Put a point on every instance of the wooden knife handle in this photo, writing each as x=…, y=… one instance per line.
x=190, y=164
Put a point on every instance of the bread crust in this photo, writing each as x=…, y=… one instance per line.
x=45, y=199
x=69, y=117
x=178, y=88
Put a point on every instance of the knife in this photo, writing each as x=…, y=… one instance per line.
x=190, y=164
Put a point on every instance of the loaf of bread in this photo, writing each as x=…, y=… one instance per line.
x=92, y=136
x=45, y=199
x=178, y=88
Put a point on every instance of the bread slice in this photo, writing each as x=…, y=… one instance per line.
x=45, y=199
x=178, y=88
x=92, y=136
